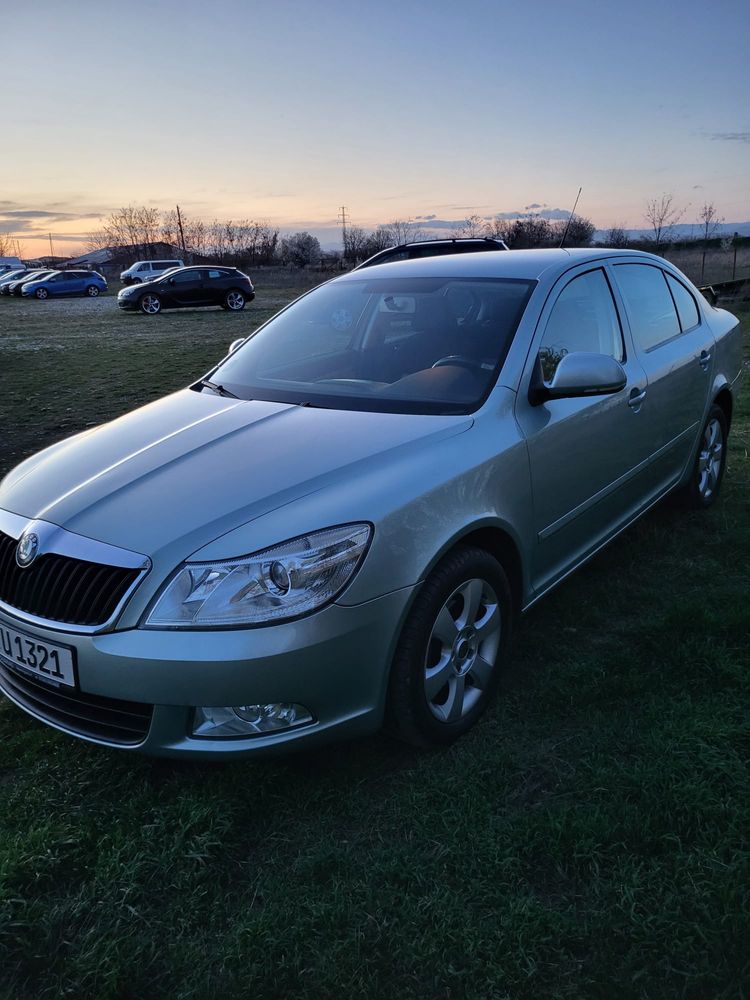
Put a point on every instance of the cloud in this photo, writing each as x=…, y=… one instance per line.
x=730, y=136
x=31, y=213
x=425, y=218
x=531, y=208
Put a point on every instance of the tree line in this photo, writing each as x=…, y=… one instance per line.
x=248, y=242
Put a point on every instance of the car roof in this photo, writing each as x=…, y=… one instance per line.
x=521, y=264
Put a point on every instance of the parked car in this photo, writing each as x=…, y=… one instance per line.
x=14, y=287
x=89, y=283
x=340, y=523
x=190, y=286
x=433, y=248
x=10, y=276
x=147, y=270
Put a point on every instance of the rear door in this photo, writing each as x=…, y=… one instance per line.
x=73, y=284
x=215, y=286
x=675, y=347
x=586, y=454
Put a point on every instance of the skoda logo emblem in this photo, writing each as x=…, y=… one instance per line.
x=27, y=549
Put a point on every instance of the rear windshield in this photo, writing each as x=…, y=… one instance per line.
x=403, y=345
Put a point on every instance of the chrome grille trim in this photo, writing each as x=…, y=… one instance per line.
x=80, y=565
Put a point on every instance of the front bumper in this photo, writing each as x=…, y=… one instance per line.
x=334, y=662
x=129, y=303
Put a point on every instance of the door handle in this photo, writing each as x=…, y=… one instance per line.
x=704, y=359
x=636, y=398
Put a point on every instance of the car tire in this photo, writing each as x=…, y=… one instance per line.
x=92, y=291
x=452, y=649
x=150, y=304
x=234, y=300
x=710, y=461
x=41, y=293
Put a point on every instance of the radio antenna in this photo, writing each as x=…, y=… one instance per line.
x=570, y=219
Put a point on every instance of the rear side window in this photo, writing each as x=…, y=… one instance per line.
x=584, y=318
x=217, y=274
x=687, y=310
x=650, y=305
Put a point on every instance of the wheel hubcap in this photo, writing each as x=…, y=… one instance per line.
x=709, y=459
x=461, y=650
x=235, y=300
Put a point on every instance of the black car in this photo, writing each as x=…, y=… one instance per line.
x=433, y=248
x=187, y=287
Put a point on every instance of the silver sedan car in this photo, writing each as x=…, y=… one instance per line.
x=338, y=525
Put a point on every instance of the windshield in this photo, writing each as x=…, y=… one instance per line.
x=404, y=345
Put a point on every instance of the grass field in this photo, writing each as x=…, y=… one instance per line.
x=588, y=839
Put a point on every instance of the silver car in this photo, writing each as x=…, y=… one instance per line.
x=338, y=525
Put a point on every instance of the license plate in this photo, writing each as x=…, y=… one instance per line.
x=46, y=660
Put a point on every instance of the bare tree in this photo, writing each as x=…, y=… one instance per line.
x=472, y=227
x=499, y=229
x=9, y=246
x=617, y=237
x=355, y=243
x=404, y=231
x=300, y=249
x=378, y=240
x=711, y=225
x=662, y=215
x=580, y=231
x=531, y=231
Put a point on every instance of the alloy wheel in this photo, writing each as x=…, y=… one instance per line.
x=461, y=650
x=710, y=458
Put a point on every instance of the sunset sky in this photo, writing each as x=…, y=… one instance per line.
x=285, y=111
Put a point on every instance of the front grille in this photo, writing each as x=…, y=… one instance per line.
x=60, y=588
x=110, y=719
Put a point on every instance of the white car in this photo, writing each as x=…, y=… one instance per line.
x=147, y=270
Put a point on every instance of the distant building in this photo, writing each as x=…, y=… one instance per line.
x=9, y=263
x=112, y=260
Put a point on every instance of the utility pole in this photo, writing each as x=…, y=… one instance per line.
x=182, y=234
x=342, y=219
x=51, y=251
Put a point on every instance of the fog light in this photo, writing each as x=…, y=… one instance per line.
x=249, y=720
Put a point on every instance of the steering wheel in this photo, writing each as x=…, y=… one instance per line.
x=458, y=359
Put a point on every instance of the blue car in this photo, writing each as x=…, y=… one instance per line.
x=89, y=283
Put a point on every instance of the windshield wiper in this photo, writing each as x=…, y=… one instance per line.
x=220, y=389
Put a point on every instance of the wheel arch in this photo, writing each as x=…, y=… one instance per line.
x=500, y=542
x=723, y=398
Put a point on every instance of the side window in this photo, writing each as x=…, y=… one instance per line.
x=584, y=318
x=652, y=311
x=184, y=277
x=214, y=275
x=687, y=310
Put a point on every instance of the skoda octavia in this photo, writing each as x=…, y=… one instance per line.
x=339, y=523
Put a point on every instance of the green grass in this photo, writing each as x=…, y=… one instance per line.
x=588, y=839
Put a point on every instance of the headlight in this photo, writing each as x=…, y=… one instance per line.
x=286, y=581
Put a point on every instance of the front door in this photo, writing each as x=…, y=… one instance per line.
x=585, y=454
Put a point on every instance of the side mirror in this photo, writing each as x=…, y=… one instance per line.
x=578, y=374
x=235, y=344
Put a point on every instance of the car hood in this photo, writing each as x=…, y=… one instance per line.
x=176, y=474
